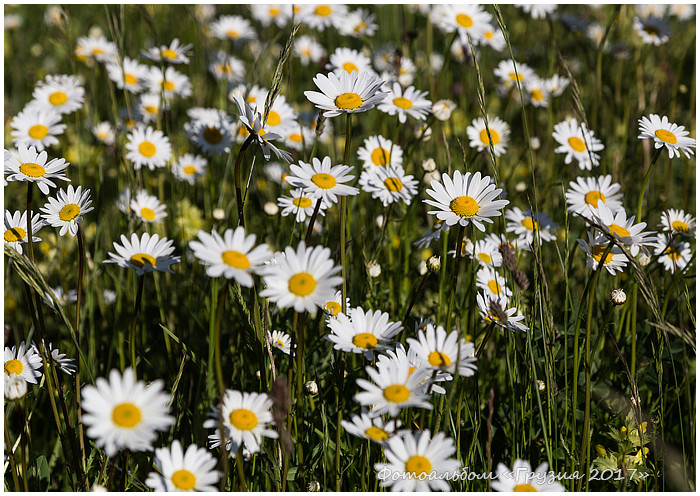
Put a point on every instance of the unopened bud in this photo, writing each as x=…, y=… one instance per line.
x=600, y=450
x=541, y=386
x=271, y=208
x=643, y=259
x=433, y=263
x=218, y=214
x=520, y=187
x=534, y=143
x=379, y=220
x=618, y=296
x=374, y=269
x=311, y=387
x=428, y=165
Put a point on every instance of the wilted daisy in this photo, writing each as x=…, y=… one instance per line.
x=191, y=470
x=320, y=179
x=524, y=225
x=147, y=146
x=389, y=184
x=523, y=479
x=379, y=151
x=308, y=50
x=653, y=30
x=232, y=27
x=36, y=127
x=493, y=283
x=247, y=420
x=172, y=54
x=406, y=102
x=578, y=142
x=300, y=204
x=234, y=255
x=374, y=429
x=60, y=93
x=172, y=83
x=585, y=193
x=253, y=123
x=677, y=221
x=665, y=133
x=189, y=167
x=673, y=254
x=362, y=332
x=304, y=279
x=280, y=340
x=496, y=310
x=321, y=17
x=98, y=47
x=122, y=413
x=418, y=462
x=67, y=209
x=348, y=60
x=595, y=247
x=227, y=67
x=130, y=75
x=623, y=228
x=349, y=93
x=26, y=164
x=23, y=362
x=148, y=254
x=147, y=207
x=479, y=136
x=465, y=198
x=104, y=132
x=16, y=228
x=441, y=351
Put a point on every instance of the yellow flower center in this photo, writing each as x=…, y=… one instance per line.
x=58, y=98
x=397, y=393
x=439, y=359
x=126, y=415
x=464, y=20
x=393, y=184
x=168, y=85
x=666, y=136
x=530, y=224
x=515, y=77
x=302, y=202
x=13, y=367
x=418, y=466
x=494, y=287
x=348, y=101
x=279, y=343
x=323, y=180
x=169, y=54
x=147, y=149
x=296, y=137
x=577, y=144
x=243, y=419
x=235, y=259
x=464, y=206
x=130, y=79
x=488, y=35
x=212, y=135
x=380, y=156
x=189, y=170
x=323, y=10
x=680, y=226
x=141, y=259
x=524, y=488
x=232, y=34
x=365, y=340
x=403, y=103
x=592, y=198
x=619, y=230
x=273, y=11
x=148, y=213
x=377, y=434
x=69, y=212
x=32, y=170
x=673, y=253
x=597, y=253
x=333, y=308
x=97, y=51
x=151, y=109
x=349, y=66
x=38, y=131
x=302, y=284
x=273, y=118
x=484, y=257
x=536, y=95
x=485, y=137
x=651, y=30
x=15, y=234
x=184, y=480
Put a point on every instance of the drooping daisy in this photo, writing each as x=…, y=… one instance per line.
x=280, y=340
x=308, y=50
x=28, y=164
x=104, y=132
x=585, y=193
x=465, y=198
x=96, y=46
x=254, y=125
x=232, y=27
x=36, y=127
x=432, y=234
x=247, y=419
x=346, y=93
x=438, y=350
x=406, y=102
x=677, y=221
x=362, y=332
x=673, y=254
x=653, y=30
x=226, y=67
x=172, y=83
x=523, y=479
x=16, y=228
x=60, y=93
x=623, y=228
x=578, y=142
x=498, y=130
x=321, y=17
x=304, y=279
x=389, y=184
x=496, y=310
x=493, y=283
x=524, y=225
x=172, y=54
x=379, y=151
x=467, y=19
x=67, y=209
x=418, y=461
x=348, y=60
x=65, y=364
x=234, y=255
x=320, y=179
x=485, y=253
x=148, y=208
x=23, y=362
x=148, y=146
x=15, y=386
x=300, y=204
x=191, y=470
x=665, y=133
x=122, y=413
x=189, y=167
x=131, y=77
x=615, y=260
x=148, y=254
x=374, y=429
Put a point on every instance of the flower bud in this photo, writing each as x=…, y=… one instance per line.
x=618, y=296
x=218, y=214
x=428, y=165
x=433, y=263
x=271, y=208
x=374, y=269
x=311, y=387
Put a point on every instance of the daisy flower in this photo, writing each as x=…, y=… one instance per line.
x=623, y=228
x=359, y=23
x=665, y=133
x=379, y=151
x=28, y=164
x=578, y=142
x=65, y=364
x=585, y=193
x=437, y=350
x=374, y=429
x=396, y=386
x=58, y=296
x=232, y=27
x=149, y=107
x=246, y=418
x=297, y=136
x=147, y=146
x=122, y=413
x=465, y=198
x=304, y=279
x=36, y=127
x=485, y=253
x=348, y=60
x=399, y=355
x=191, y=470
x=495, y=310
x=96, y=46
x=308, y=50
x=652, y=29
x=499, y=240
x=234, y=255
x=334, y=306
x=683, y=11
x=280, y=340
x=479, y=136
x=23, y=362
x=226, y=67
x=677, y=221
x=211, y=134
x=536, y=92
x=493, y=37
x=493, y=283
x=16, y=229
x=556, y=85
x=522, y=478
x=148, y=254
x=147, y=207
x=320, y=179
x=538, y=11
x=615, y=260
x=409, y=102
x=349, y=93
x=189, y=167
x=673, y=254
x=253, y=124
x=362, y=332
x=67, y=209
x=104, y=132
x=509, y=71
x=60, y=93
x=172, y=54
x=129, y=75
x=281, y=117
x=389, y=184
x=468, y=19
x=300, y=204
x=418, y=462
x=524, y=225
x=172, y=83
x=321, y=17
x=267, y=14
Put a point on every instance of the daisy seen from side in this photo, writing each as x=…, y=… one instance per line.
x=666, y=134
x=346, y=93
x=16, y=229
x=374, y=429
x=677, y=221
x=497, y=311
x=595, y=248
x=673, y=253
x=145, y=254
x=280, y=340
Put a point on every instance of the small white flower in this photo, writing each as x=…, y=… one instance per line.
x=67, y=209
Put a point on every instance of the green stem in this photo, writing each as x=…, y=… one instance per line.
x=646, y=180
x=81, y=266
x=30, y=241
x=241, y=473
x=11, y=455
x=455, y=271
x=237, y=177
x=298, y=417
x=132, y=331
x=216, y=343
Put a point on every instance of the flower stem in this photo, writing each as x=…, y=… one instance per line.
x=298, y=417
x=217, y=339
x=241, y=473
x=644, y=184
x=132, y=332
x=455, y=271
x=81, y=268
x=11, y=456
x=30, y=189
x=237, y=177
x=312, y=221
